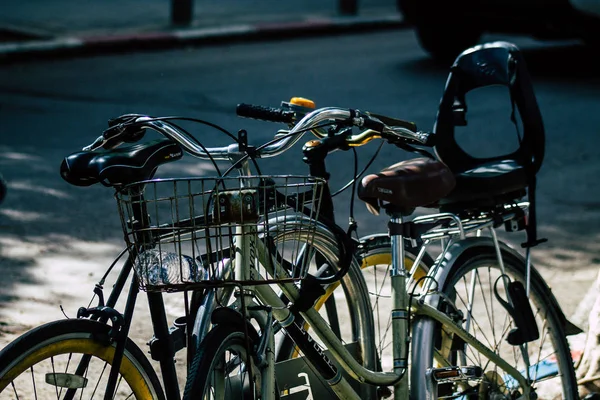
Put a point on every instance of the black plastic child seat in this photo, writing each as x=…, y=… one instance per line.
x=487, y=182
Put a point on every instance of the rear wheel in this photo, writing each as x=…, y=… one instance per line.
x=43, y=363
x=472, y=286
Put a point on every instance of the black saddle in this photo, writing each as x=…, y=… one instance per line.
x=119, y=166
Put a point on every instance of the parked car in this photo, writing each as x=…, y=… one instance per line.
x=446, y=27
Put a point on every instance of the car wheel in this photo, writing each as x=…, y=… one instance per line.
x=443, y=40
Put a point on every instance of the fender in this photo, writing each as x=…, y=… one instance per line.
x=442, y=267
x=423, y=328
x=226, y=315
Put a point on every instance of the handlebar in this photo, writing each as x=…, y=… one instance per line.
x=130, y=128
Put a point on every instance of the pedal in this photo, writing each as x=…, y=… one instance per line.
x=440, y=381
x=455, y=374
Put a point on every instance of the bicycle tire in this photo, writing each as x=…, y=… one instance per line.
x=210, y=366
x=53, y=347
x=479, y=265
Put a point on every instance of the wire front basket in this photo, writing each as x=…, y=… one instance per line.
x=192, y=232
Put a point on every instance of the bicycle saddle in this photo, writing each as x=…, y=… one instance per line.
x=408, y=184
x=119, y=166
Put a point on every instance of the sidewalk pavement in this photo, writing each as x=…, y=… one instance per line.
x=35, y=28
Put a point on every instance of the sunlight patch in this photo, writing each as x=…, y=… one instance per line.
x=191, y=169
x=13, y=155
x=30, y=187
x=25, y=216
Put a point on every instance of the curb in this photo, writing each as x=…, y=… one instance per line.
x=71, y=45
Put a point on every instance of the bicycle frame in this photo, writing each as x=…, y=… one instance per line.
x=164, y=351
x=342, y=356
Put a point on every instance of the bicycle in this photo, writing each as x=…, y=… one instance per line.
x=450, y=342
x=455, y=358
x=90, y=333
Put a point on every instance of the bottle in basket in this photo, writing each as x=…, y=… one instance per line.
x=157, y=268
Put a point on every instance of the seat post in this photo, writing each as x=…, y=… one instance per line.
x=400, y=305
x=397, y=245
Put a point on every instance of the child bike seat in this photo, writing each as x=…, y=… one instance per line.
x=494, y=181
x=486, y=182
x=406, y=185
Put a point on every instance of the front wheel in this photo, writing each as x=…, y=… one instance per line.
x=43, y=364
x=223, y=367
x=471, y=292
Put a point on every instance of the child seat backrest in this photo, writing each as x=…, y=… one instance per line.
x=496, y=63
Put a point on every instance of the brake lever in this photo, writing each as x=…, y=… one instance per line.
x=124, y=126
x=96, y=144
x=107, y=144
x=120, y=130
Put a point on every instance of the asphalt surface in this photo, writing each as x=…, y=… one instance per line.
x=49, y=28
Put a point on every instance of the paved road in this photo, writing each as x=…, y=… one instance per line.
x=47, y=18
x=54, y=236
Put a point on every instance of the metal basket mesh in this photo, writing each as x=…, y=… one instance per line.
x=186, y=233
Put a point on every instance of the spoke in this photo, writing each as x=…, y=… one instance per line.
x=495, y=350
x=376, y=306
x=33, y=381
x=66, y=370
x=99, y=379
x=117, y=385
x=15, y=390
x=487, y=306
x=471, y=359
x=490, y=285
x=387, y=330
x=85, y=374
x=378, y=289
x=474, y=333
x=54, y=374
x=534, y=378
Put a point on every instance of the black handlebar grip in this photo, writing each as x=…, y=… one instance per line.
x=377, y=126
x=396, y=122
x=264, y=113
